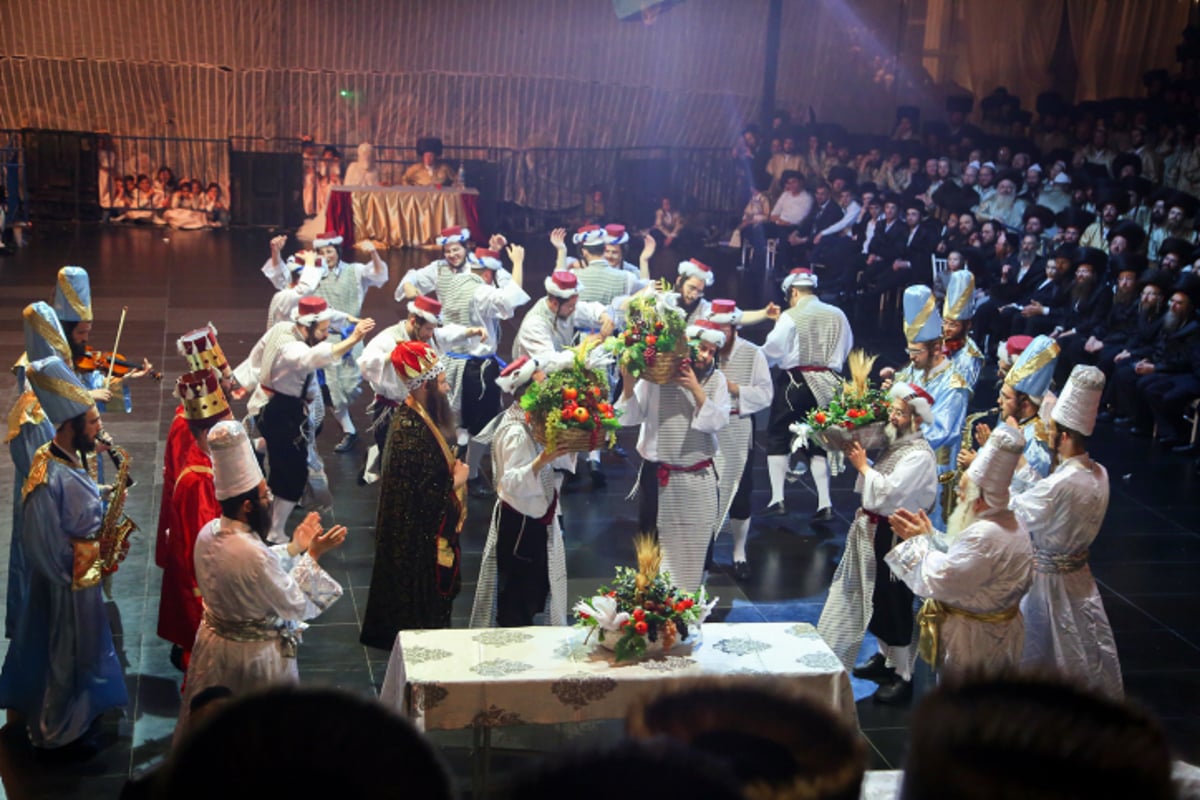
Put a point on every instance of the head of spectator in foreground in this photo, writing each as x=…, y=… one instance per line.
x=1032, y=737
x=777, y=745
x=659, y=768
x=337, y=745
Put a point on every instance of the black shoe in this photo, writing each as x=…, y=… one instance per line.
x=774, y=510
x=1140, y=432
x=599, y=481
x=347, y=443
x=477, y=487
x=1123, y=422
x=897, y=693
x=741, y=571
x=823, y=514
x=1184, y=449
x=876, y=669
x=177, y=658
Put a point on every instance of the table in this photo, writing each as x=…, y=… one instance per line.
x=400, y=216
x=490, y=677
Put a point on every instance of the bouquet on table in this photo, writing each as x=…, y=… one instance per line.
x=654, y=342
x=641, y=612
x=569, y=410
x=857, y=413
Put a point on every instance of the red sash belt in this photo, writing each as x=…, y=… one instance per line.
x=809, y=369
x=547, y=518
x=383, y=401
x=872, y=516
x=665, y=470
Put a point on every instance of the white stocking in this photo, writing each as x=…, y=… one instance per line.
x=280, y=511
x=342, y=415
x=740, y=529
x=820, y=472
x=777, y=467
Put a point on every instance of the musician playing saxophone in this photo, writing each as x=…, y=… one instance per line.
x=61, y=671
x=1020, y=401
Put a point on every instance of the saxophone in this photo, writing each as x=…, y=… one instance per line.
x=949, y=480
x=116, y=528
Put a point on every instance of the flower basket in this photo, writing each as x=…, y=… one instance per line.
x=654, y=342
x=641, y=613
x=569, y=410
x=857, y=413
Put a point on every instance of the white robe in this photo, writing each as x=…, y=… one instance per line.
x=1065, y=622
x=242, y=579
x=986, y=570
x=513, y=452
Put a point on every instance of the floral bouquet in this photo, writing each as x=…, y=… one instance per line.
x=857, y=413
x=654, y=341
x=569, y=410
x=641, y=612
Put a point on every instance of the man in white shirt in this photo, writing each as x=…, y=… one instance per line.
x=549, y=326
x=792, y=207
x=290, y=353
x=677, y=483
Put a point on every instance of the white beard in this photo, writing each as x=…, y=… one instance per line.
x=964, y=514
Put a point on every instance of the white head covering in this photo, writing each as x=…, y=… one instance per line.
x=590, y=236
x=992, y=470
x=517, y=374
x=706, y=331
x=697, y=269
x=1062, y=178
x=724, y=312
x=563, y=285
x=235, y=469
x=312, y=310
x=919, y=400
x=1079, y=400
x=327, y=239
x=800, y=277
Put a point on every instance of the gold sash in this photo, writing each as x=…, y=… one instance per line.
x=933, y=613
x=445, y=551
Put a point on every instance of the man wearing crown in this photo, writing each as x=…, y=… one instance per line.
x=1066, y=626
x=863, y=595
x=61, y=671
x=974, y=575
x=422, y=507
x=343, y=288
x=677, y=482
x=524, y=567
x=284, y=362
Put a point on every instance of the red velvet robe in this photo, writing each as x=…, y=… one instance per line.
x=179, y=442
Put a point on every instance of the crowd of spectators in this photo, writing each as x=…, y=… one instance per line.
x=180, y=203
x=1079, y=222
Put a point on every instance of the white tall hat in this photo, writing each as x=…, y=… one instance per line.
x=1079, y=400
x=235, y=469
x=992, y=470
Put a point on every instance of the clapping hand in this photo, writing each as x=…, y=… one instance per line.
x=329, y=540
x=906, y=524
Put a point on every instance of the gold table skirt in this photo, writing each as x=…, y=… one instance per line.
x=399, y=217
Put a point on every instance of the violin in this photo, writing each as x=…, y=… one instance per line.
x=103, y=359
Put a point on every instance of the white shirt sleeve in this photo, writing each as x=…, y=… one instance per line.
x=759, y=393
x=848, y=216
x=587, y=315
x=424, y=280
x=713, y=415
x=518, y=483
x=780, y=346
x=912, y=485
x=277, y=273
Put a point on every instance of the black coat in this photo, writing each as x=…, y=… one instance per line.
x=1173, y=351
x=1086, y=316
x=1018, y=292
x=1120, y=322
x=888, y=243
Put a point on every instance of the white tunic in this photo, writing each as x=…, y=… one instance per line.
x=1065, y=622
x=746, y=366
x=287, y=297
x=376, y=360
x=543, y=335
x=640, y=410
x=288, y=372
x=986, y=570
x=244, y=580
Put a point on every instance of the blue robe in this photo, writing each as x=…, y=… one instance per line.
x=62, y=670
x=951, y=393
x=28, y=430
x=968, y=360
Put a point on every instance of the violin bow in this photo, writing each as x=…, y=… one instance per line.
x=112, y=362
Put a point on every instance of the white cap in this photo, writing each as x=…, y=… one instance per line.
x=992, y=470
x=800, y=277
x=919, y=400
x=235, y=469
x=706, y=331
x=1062, y=179
x=517, y=374
x=1079, y=400
x=697, y=269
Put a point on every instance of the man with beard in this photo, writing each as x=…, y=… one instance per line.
x=1065, y=623
x=549, y=326
x=1056, y=196
x=1172, y=356
x=1174, y=255
x=930, y=368
x=885, y=244
x=524, y=568
x=1047, y=300
x=193, y=504
x=1004, y=206
x=985, y=186
x=256, y=596
x=429, y=170
x=958, y=309
x=1088, y=343
x=863, y=595
x=343, y=288
x=422, y=507
x=61, y=671
x=1111, y=204
x=1175, y=225
x=1020, y=403
x=971, y=618
x=615, y=239
x=1019, y=277
x=285, y=360
x=677, y=482
x=809, y=344
x=748, y=377
x=424, y=323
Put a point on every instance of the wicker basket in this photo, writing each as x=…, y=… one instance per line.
x=665, y=368
x=871, y=437
x=571, y=440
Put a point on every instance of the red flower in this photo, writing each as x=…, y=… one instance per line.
x=639, y=614
x=689, y=602
x=820, y=418
x=584, y=615
x=641, y=627
x=612, y=594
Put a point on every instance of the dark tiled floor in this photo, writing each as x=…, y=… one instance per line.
x=1146, y=559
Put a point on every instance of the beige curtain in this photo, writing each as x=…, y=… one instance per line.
x=1005, y=44
x=1116, y=41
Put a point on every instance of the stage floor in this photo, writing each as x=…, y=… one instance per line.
x=1146, y=559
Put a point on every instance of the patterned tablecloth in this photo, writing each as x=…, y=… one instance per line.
x=400, y=216
x=446, y=679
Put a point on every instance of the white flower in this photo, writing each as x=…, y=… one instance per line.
x=802, y=431
x=704, y=606
x=598, y=359
x=667, y=303
x=603, y=609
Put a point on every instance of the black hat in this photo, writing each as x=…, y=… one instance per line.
x=788, y=174
x=1008, y=175
x=1095, y=258
x=976, y=260
x=1075, y=217
x=912, y=113
x=1023, y=117
x=1097, y=172
x=962, y=103
x=1124, y=160
x=1155, y=76
x=429, y=144
x=1189, y=284
x=1140, y=186
x=1155, y=277
x=847, y=174
x=910, y=201
x=1126, y=262
x=1068, y=251
x=868, y=186
x=1111, y=196
x=1050, y=103
x=1062, y=154
x=954, y=198
x=1046, y=215
x=1184, y=201
x=1174, y=245
x=1133, y=233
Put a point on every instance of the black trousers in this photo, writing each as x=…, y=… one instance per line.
x=791, y=403
x=480, y=394
x=892, y=617
x=284, y=423
x=522, y=568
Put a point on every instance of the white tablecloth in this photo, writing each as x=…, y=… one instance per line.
x=447, y=679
